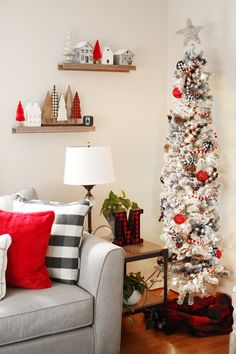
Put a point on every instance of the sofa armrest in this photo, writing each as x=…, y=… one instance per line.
x=101, y=274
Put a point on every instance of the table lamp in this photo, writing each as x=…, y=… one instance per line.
x=87, y=166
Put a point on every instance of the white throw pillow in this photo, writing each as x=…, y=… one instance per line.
x=5, y=241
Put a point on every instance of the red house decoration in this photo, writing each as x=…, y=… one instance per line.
x=127, y=231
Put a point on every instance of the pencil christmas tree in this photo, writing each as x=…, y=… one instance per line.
x=190, y=178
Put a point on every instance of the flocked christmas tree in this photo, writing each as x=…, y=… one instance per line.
x=190, y=178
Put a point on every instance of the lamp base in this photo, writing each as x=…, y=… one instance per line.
x=91, y=199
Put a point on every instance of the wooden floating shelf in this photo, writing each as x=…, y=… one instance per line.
x=96, y=67
x=53, y=129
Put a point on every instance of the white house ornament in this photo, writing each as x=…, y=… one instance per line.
x=33, y=115
x=107, y=56
x=190, y=33
x=123, y=57
x=83, y=52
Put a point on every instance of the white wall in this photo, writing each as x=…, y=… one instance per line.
x=129, y=109
x=218, y=42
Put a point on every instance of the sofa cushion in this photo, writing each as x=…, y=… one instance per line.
x=6, y=201
x=26, y=314
x=30, y=234
x=62, y=258
x=5, y=241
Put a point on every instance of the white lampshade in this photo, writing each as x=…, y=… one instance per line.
x=88, y=165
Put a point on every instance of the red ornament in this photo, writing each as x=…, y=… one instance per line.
x=179, y=219
x=177, y=93
x=20, y=113
x=218, y=254
x=97, y=55
x=202, y=176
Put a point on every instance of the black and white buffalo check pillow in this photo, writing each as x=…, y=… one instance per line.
x=62, y=257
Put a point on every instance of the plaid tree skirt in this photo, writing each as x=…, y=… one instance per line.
x=208, y=316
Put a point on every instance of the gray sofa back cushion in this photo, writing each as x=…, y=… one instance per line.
x=6, y=201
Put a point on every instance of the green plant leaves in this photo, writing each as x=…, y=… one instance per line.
x=117, y=203
x=133, y=281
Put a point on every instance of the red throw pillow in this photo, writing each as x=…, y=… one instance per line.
x=30, y=234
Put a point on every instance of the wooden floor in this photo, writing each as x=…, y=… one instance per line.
x=137, y=339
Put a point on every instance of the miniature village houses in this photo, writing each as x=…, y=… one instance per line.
x=107, y=56
x=123, y=57
x=83, y=53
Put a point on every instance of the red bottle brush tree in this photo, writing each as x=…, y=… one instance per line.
x=20, y=117
x=97, y=55
x=76, y=111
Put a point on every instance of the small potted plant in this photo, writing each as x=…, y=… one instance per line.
x=134, y=287
x=116, y=203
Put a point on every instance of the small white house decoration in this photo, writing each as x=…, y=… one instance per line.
x=83, y=53
x=107, y=56
x=33, y=115
x=123, y=57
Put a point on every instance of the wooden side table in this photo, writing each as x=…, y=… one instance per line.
x=138, y=252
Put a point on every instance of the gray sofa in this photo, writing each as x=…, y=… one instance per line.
x=69, y=319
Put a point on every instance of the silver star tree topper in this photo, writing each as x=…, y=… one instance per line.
x=190, y=32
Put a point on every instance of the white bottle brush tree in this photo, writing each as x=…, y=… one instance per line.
x=68, y=50
x=190, y=178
